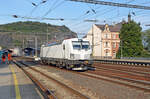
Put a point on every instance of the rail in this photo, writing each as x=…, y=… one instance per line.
x=56, y=81
x=47, y=94
x=124, y=62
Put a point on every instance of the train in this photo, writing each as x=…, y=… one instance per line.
x=15, y=52
x=72, y=54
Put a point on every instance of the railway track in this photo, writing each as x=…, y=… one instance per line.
x=66, y=88
x=44, y=91
x=124, y=62
x=117, y=80
x=119, y=76
x=126, y=67
x=126, y=72
x=123, y=74
x=114, y=79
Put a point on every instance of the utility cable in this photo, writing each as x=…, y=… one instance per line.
x=37, y=5
x=51, y=9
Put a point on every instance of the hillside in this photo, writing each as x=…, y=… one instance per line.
x=23, y=34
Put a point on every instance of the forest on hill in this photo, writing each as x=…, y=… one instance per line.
x=23, y=33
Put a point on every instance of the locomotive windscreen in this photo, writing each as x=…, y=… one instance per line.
x=78, y=45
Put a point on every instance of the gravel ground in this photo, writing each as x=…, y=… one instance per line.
x=93, y=88
x=58, y=90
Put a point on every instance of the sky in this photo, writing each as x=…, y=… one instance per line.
x=73, y=13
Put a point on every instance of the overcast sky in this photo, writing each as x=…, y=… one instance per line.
x=74, y=13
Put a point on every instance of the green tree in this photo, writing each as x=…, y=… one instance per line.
x=146, y=38
x=131, y=41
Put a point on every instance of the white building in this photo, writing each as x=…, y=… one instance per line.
x=105, y=39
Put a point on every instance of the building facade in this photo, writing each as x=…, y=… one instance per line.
x=104, y=40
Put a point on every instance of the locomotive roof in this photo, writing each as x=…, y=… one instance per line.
x=75, y=39
x=54, y=43
x=60, y=42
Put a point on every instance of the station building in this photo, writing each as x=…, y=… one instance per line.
x=104, y=40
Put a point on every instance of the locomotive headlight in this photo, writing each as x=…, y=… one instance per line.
x=72, y=56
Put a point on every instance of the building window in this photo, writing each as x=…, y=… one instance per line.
x=114, y=36
x=114, y=53
x=106, y=44
x=117, y=36
x=106, y=52
x=114, y=45
x=106, y=36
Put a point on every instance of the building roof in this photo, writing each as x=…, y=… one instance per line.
x=112, y=28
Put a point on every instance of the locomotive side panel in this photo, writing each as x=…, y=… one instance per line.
x=52, y=51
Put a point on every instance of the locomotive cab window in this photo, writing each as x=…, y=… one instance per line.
x=78, y=45
x=85, y=45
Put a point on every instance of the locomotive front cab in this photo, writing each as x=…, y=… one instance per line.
x=81, y=50
x=81, y=53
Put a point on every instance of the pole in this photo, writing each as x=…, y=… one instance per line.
x=36, y=46
x=23, y=44
x=101, y=49
x=47, y=33
x=92, y=41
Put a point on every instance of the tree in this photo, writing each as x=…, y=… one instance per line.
x=146, y=38
x=131, y=41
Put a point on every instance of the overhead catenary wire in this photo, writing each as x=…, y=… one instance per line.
x=36, y=18
x=113, y=4
x=133, y=12
x=29, y=1
x=90, y=15
x=81, y=17
x=37, y=5
x=53, y=4
x=53, y=8
x=101, y=14
x=108, y=11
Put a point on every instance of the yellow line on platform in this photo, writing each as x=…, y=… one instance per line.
x=15, y=83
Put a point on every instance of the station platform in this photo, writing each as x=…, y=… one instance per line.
x=14, y=84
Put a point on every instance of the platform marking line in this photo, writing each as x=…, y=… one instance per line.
x=15, y=83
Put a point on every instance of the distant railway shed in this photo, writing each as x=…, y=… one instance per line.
x=30, y=51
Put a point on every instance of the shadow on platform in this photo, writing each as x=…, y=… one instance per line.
x=4, y=65
x=5, y=74
x=26, y=91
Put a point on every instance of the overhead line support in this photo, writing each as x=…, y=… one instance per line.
x=113, y=4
